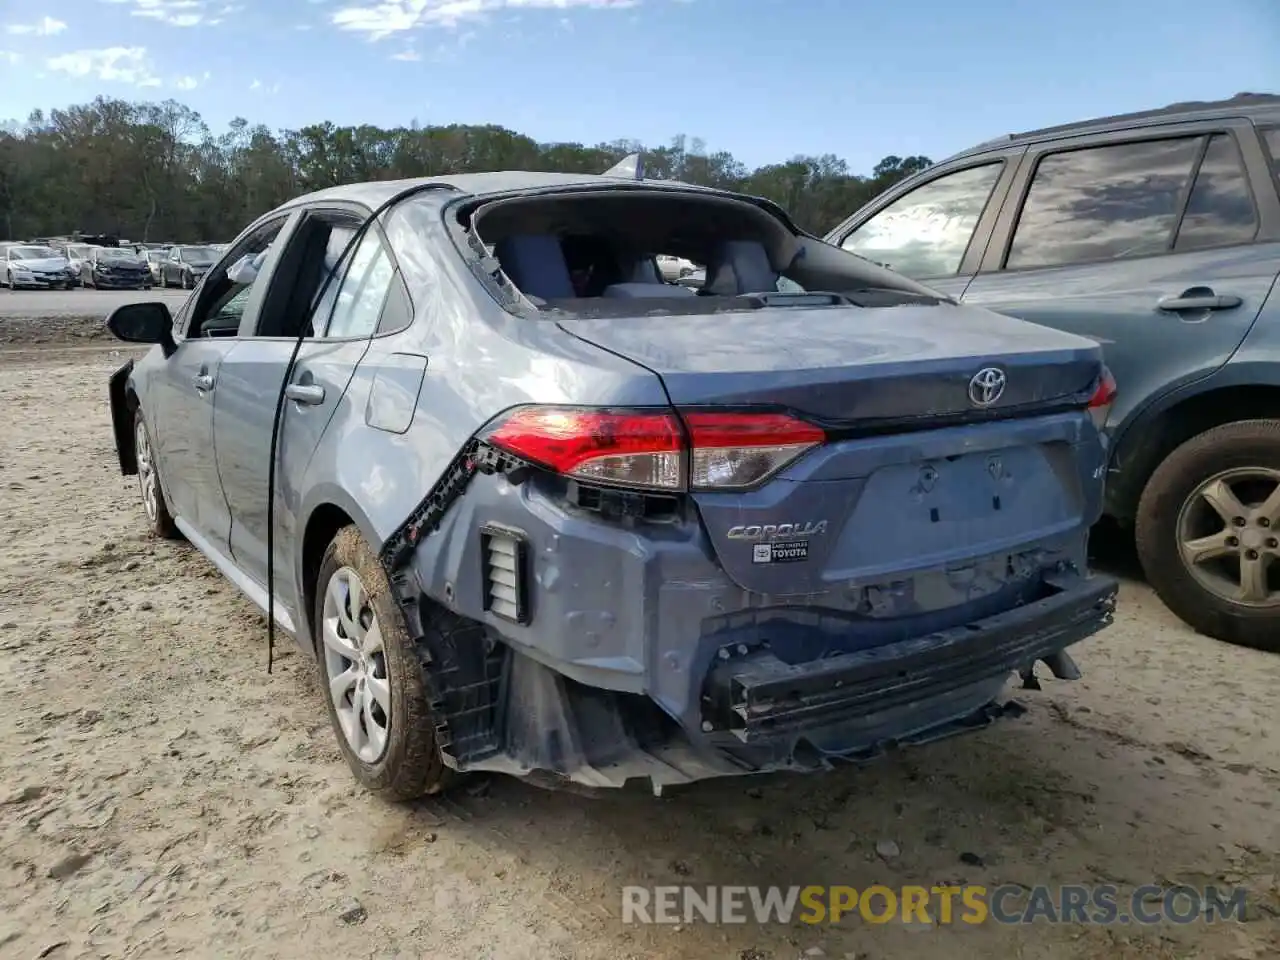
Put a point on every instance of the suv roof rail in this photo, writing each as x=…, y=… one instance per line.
x=1173, y=109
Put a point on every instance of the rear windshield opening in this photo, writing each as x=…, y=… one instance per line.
x=624, y=252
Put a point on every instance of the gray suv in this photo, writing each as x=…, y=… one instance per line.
x=1158, y=235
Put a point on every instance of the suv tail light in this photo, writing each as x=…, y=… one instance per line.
x=656, y=450
x=1100, y=402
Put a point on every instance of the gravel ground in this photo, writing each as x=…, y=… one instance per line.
x=161, y=795
x=62, y=316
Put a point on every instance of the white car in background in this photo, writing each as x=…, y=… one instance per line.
x=35, y=266
x=77, y=255
x=674, y=268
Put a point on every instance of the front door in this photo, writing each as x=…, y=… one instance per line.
x=181, y=414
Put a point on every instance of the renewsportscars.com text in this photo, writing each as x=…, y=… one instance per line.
x=973, y=904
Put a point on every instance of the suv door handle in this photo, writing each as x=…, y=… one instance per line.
x=305, y=392
x=1199, y=298
x=202, y=381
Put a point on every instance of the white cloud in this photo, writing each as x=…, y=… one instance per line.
x=409, y=55
x=186, y=83
x=180, y=13
x=382, y=20
x=46, y=27
x=127, y=65
x=10, y=57
x=259, y=87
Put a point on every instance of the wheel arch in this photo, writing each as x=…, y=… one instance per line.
x=124, y=404
x=1249, y=393
x=329, y=512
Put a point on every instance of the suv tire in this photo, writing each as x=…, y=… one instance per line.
x=409, y=765
x=1236, y=452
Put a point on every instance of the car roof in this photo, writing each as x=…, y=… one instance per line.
x=375, y=192
x=1253, y=106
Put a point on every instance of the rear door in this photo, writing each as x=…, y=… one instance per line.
x=340, y=325
x=934, y=228
x=1156, y=243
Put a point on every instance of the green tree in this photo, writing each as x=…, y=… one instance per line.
x=155, y=171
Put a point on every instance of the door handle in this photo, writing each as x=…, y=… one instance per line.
x=203, y=381
x=1199, y=298
x=305, y=392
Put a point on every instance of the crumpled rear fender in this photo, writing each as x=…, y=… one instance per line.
x=122, y=418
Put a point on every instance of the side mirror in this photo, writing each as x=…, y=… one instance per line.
x=142, y=323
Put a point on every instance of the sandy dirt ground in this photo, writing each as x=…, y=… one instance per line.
x=161, y=795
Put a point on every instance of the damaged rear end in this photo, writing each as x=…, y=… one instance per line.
x=816, y=550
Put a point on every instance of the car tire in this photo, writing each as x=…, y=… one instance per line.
x=408, y=763
x=154, y=504
x=186, y=281
x=1177, y=520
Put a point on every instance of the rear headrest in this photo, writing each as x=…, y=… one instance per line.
x=740, y=266
x=644, y=270
x=535, y=263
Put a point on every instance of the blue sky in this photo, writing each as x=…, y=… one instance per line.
x=764, y=79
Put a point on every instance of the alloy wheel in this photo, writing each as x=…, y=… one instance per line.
x=356, y=665
x=146, y=471
x=1229, y=535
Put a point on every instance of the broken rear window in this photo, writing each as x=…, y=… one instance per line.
x=604, y=251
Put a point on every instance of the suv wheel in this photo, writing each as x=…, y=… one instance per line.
x=376, y=694
x=1208, y=533
x=153, y=501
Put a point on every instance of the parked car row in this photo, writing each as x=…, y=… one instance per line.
x=67, y=265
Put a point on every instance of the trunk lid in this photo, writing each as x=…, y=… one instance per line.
x=851, y=365
x=935, y=511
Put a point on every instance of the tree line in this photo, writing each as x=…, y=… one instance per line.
x=156, y=172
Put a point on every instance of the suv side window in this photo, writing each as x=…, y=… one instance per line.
x=1103, y=203
x=1220, y=210
x=1272, y=139
x=924, y=234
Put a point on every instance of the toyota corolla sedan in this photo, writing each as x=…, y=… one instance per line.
x=532, y=509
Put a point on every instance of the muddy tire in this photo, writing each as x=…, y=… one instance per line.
x=1208, y=533
x=154, y=504
x=371, y=676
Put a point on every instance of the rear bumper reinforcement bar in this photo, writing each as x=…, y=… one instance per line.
x=758, y=697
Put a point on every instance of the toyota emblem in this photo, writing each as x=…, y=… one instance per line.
x=987, y=386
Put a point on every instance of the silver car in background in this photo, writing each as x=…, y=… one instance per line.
x=35, y=266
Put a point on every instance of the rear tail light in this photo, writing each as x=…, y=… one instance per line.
x=1103, y=397
x=649, y=450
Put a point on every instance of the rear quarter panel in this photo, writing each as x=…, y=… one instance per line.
x=480, y=361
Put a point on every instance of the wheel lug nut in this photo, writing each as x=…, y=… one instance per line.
x=1272, y=543
x=1232, y=542
x=1238, y=521
x=1251, y=554
x=1264, y=522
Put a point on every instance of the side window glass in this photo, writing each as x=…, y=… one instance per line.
x=339, y=236
x=1220, y=209
x=231, y=283
x=1103, y=203
x=926, y=232
x=1272, y=139
x=358, y=304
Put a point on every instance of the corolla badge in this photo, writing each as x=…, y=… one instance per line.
x=771, y=531
x=987, y=386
